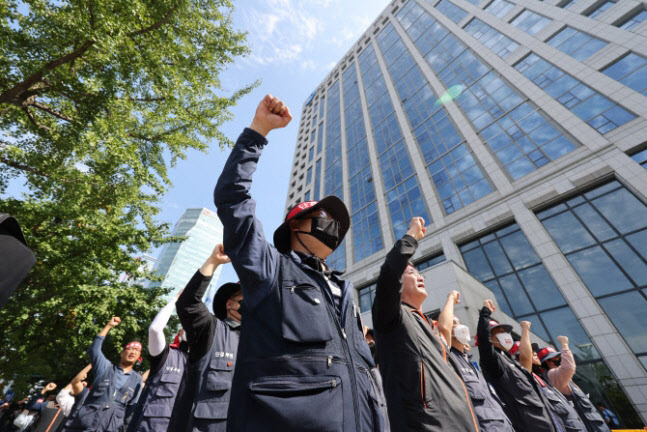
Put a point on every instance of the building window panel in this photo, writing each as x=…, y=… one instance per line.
x=635, y=19
x=598, y=111
x=530, y=22
x=451, y=11
x=631, y=70
x=601, y=8
x=425, y=263
x=499, y=8
x=627, y=313
x=575, y=43
x=499, y=43
x=366, y=297
x=641, y=158
x=317, y=191
x=309, y=176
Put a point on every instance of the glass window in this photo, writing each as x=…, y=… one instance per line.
x=598, y=111
x=451, y=11
x=499, y=8
x=541, y=288
x=636, y=18
x=317, y=192
x=612, y=258
x=641, y=158
x=309, y=176
x=627, y=312
x=521, y=137
x=499, y=43
x=562, y=321
x=530, y=22
x=430, y=262
x=575, y=43
x=366, y=296
x=600, y=8
x=516, y=295
x=403, y=196
x=631, y=70
x=311, y=153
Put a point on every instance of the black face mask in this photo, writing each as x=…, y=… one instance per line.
x=324, y=230
x=536, y=369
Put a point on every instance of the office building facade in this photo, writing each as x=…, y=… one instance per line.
x=517, y=129
x=179, y=261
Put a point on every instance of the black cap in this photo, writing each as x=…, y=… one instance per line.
x=331, y=204
x=223, y=294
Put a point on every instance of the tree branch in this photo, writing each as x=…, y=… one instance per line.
x=159, y=23
x=32, y=119
x=12, y=94
x=53, y=112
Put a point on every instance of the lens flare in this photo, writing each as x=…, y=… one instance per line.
x=452, y=93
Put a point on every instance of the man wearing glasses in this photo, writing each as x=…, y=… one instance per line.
x=423, y=392
x=303, y=363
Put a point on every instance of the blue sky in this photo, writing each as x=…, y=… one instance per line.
x=294, y=44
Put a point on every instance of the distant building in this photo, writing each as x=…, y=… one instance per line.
x=517, y=129
x=179, y=261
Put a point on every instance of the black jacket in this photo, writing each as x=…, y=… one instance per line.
x=524, y=404
x=423, y=392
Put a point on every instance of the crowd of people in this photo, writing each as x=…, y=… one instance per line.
x=285, y=349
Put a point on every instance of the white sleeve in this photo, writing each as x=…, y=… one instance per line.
x=66, y=401
x=156, y=338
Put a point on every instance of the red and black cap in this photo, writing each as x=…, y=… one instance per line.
x=331, y=204
x=515, y=348
x=223, y=294
x=495, y=324
x=547, y=353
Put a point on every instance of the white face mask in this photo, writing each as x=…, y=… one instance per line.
x=462, y=334
x=505, y=339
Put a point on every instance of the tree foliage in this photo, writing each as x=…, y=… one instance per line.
x=97, y=99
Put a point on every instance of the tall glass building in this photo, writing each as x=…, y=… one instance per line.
x=178, y=262
x=518, y=130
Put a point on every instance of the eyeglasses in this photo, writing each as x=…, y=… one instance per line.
x=416, y=273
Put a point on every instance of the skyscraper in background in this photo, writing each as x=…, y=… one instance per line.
x=517, y=129
x=179, y=261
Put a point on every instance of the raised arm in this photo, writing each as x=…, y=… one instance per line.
x=388, y=291
x=156, y=338
x=563, y=374
x=254, y=260
x=99, y=361
x=489, y=360
x=76, y=385
x=525, y=348
x=446, y=317
x=194, y=315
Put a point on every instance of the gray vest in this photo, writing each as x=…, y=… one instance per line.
x=212, y=376
x=104, y=409
x=161, y=391
x=487, y=406
x=560, y=406
x=589, y=415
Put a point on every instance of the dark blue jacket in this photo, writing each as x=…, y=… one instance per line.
x=104, y=409
x=300, y=365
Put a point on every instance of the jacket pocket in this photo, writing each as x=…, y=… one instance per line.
x=474, y=388
x=211, y=410
x=303, y=403
x=168, y=385
x=305, y=318
x=158, y=410
x=220, y=375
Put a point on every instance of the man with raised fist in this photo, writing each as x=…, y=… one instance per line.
x=303, y=363
x=115, y=388
x=423, y=392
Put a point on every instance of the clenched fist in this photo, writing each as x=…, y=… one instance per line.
x=525, y=325
x=114, y=322
x=270, y=114
x=218, y=256
x=455, y=295
x=417, y=228
x=488, y=304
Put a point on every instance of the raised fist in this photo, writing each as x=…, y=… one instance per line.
x=114, y=321
x=455, y=295
x=525, y=325
x=563, y=340
x=417, y=228
x=218, y=256
x=270, y=114
x=488, y=304
x=50, y=386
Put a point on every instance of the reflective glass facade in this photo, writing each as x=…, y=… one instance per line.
x=520, y=135
x=575, y=43
x=601, y=8
x=598, y=111
x=608, y=250
x=499, y=8
x=641, y=158
x=500, y=44
x=365, y=222
x=458, y=179
x=178, y=262
x=403, y=196
x=530, y=22
x=631, y=70
x=638, y=17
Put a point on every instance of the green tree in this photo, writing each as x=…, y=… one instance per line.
x=97, y=98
